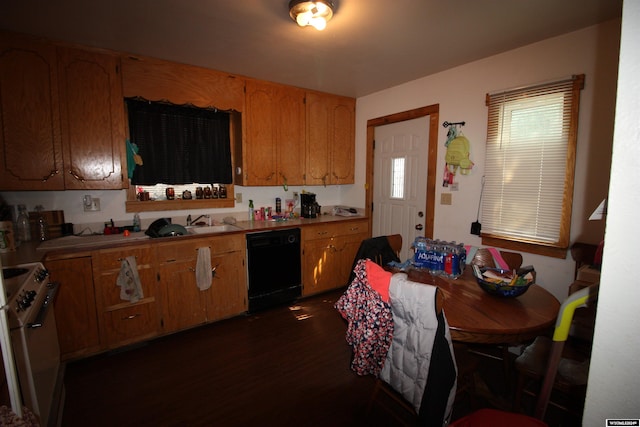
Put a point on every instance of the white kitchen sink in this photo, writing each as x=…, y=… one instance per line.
x=222, y=228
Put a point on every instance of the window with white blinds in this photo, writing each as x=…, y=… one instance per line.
x=529, y=166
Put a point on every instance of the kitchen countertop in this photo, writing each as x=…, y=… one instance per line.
x=77, y=246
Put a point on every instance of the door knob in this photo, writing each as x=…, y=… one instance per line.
x=420, y=214
x=418, y=226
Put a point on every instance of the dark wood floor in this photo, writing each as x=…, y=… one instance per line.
x=281, y=367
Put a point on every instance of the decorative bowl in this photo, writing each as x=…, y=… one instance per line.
x=499, y=289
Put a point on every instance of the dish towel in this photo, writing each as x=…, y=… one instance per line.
x=129, y=281
x=203, y=269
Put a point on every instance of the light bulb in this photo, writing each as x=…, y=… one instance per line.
x=319, y=23
x=303, y=19
x=321, y=8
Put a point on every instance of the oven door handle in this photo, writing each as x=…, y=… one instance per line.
x=52, y=289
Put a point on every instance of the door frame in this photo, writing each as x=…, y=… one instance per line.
x=433, y=111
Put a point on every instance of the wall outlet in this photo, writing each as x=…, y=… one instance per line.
x=91, y=204
x=295, y=196
x=239, y=197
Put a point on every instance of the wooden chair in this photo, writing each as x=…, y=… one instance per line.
x=395, y=241
x=542, y=359
x=466, y=363
x=583, y=254
x=483, y=258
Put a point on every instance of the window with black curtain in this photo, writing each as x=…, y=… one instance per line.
x=179, y=144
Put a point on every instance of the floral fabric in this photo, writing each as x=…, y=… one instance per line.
x=370, y=323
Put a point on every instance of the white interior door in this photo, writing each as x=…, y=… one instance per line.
x=400, y=180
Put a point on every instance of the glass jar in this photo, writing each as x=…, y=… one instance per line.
x=22, y=224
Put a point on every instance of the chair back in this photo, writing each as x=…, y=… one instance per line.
x=560, y=334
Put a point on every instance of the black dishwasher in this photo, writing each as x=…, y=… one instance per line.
x=274, y=268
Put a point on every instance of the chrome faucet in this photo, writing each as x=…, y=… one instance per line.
x=190, y=222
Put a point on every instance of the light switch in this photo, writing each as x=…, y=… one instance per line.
x=445, y=198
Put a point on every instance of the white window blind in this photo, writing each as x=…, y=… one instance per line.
x=530, y=156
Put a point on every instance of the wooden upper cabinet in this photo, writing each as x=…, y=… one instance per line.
x=158, y=80
x=30, y=142
x=92, y=117
x=273, y=150
x=330, y=140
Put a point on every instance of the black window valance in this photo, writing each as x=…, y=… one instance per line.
x=179, y=144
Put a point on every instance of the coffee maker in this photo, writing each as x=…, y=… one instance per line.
x=309, y=207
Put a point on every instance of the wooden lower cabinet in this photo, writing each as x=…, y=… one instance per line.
x=91, y=317
x=123, y=322
x=75, y=306
x=328, y=253
x=184, y=305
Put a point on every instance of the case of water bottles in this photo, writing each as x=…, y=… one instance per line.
x=440, y=258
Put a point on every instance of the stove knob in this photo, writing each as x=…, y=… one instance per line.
x=41, y=274
x=23, y=304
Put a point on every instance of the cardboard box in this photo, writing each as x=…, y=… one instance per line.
x=589, y=274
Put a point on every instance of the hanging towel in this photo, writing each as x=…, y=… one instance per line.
x=203, y=269
x=129, y=281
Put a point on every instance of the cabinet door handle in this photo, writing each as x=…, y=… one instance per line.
x=132, y=316
x=76, y=176
x=322, y=232
x=53, y=173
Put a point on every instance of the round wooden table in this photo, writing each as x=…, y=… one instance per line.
x=474, y=316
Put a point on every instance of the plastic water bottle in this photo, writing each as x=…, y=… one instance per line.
x=136, y=222
x=251, y=211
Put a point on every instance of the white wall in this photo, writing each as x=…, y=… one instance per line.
x=614, y=384
x=461, y=91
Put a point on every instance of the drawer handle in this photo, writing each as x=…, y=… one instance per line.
x=132, y=316
x=354, y=228
x=322, y=232
x=122, y=259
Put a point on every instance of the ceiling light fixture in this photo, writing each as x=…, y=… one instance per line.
x=314, y=13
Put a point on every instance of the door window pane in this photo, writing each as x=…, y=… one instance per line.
x=397, y=178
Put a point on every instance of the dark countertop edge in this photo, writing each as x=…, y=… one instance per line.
x=28, y=252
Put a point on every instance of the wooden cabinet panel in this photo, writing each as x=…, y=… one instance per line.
x=328, y=253
x=130, y=324
x=330, y=139
x=184, y=305
x=62, y=117
x=122, y=321
x=273, y=149
x=228, y=293
x=30, y=141
x=156, y=80
x=75, y=307
x=92, y=115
